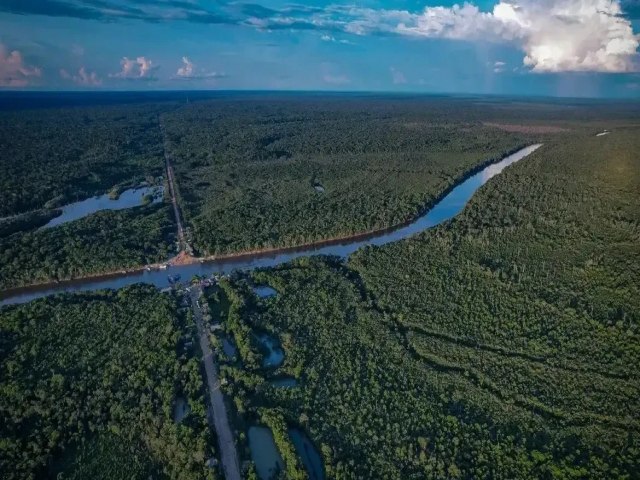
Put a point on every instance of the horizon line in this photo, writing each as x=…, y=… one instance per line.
x=10, y=91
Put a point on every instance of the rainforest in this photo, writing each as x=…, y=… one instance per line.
x=222, y=307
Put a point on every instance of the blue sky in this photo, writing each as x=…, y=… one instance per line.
x=539, y=47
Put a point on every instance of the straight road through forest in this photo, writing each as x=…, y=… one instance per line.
x=172, y=192
x=218, y=418
x=217, y=407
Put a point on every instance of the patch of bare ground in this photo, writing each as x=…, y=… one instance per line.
x=183, y=258
x=518, y=128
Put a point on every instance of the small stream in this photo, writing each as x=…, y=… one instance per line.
x=448, y=207
x=308, y=453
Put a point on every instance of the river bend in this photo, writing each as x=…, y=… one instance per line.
x=448, y=207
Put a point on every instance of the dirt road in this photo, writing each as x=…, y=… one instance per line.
x=172, y=191
x=217, y=407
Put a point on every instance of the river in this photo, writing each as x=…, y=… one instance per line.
x=448, y=207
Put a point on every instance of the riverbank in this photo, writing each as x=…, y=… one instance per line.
x=433, y=213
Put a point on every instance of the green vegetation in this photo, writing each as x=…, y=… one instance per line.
x=26, y=221
x=278, y=426
x=231, y=306
x=87, y=388
x=246, y=171
x=504, y=344
x=96, y=460
x=51, y=157
x=103, y=242
x=56, y=156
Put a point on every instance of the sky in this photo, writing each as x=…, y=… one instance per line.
x=570, y=48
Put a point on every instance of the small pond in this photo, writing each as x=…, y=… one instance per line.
x=264, y=291
x=127, y=199
x=319, y=188
x=284, y=382
x=228, y=348
x=308, y=453
x=264, y=452
x=275, y=354
x=180, y=409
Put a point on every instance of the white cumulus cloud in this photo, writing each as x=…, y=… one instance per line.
x=331, y=38
x=499, y=66
x=187, y=68
x=14, y=72
x=83, y=77
x=189, y=71
x=555, y=35
x=140, y=68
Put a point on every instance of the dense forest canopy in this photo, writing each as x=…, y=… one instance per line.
x=106, y=241
x=504, y=344
x=272, y=174
x=252, y=171
x=51, y=157
x=87, y=388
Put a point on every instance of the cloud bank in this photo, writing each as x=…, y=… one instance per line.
x=14, y=72
x=109, y=10
x=554, y=35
